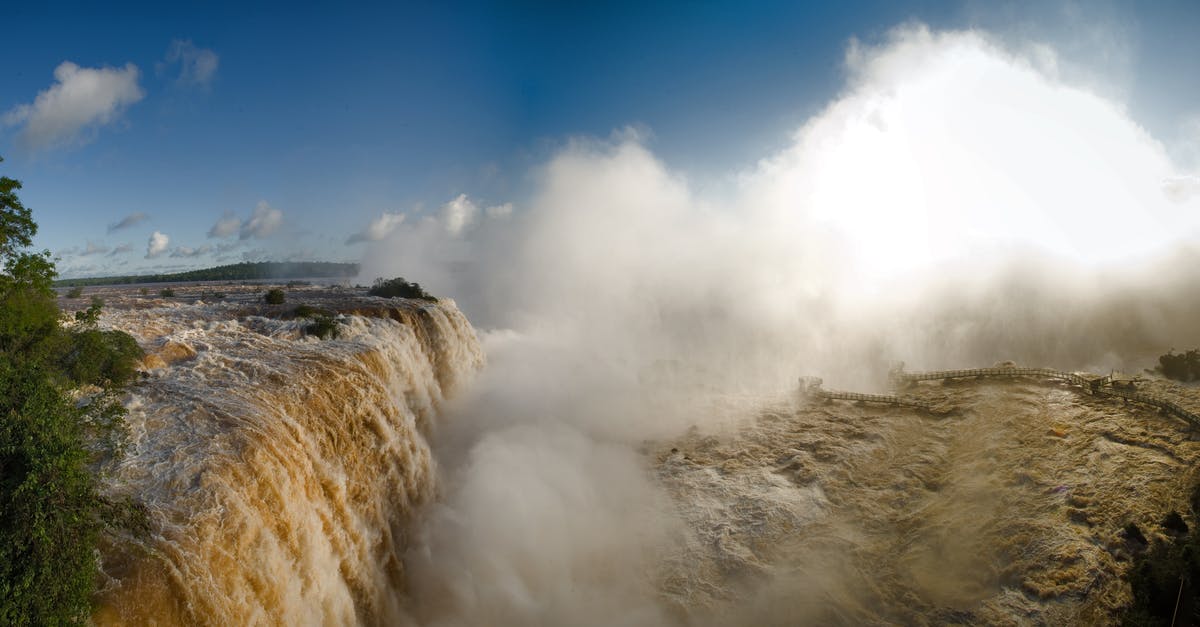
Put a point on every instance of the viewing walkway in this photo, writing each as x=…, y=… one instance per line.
x=811, y=386
x=1087, y=383
x=1091, y=384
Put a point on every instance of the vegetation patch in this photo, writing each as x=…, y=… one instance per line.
x=1165, y=578
x=274, y=296
x=399, y=288
x=323, y=326
x=51, y=513
x=1181, y=367
x=307, y=311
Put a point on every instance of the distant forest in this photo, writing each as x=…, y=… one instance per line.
x=235, y=272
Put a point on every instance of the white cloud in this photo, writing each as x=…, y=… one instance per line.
x=226, y=226
x=262, y=223
x=458, y=214
x=132, y=219
x=378, y=229
x=82, y=100
x=197, y=66
x=121, y=249
x=157, y=245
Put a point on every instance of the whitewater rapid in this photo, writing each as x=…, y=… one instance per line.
x=278, y=472
x=292, y=481
x=1006, y=506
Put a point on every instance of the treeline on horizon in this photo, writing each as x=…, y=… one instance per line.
x=245, y=271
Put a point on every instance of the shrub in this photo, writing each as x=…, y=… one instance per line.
x=1181, y=367
x=323, y=326
x=100, y=357
x=274, y=296
x=306, y=311
x=1163, y=577
x=167, y=292
x=398, y=287
x=50, y=517
x=143, y=291
x=92, y=314
x=75, y=292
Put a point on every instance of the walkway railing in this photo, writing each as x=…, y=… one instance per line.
x=899, y=376
x=811, y=386
x=1090, y=384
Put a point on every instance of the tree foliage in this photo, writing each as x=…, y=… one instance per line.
x=398, y=287
x=1165, y=578
x=322, y=324
x=51, y=513
x=1181, y=367
x=17, y=227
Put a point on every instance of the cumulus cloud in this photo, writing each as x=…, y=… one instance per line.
x=80, y=101
x=130, y=220
x=262, y=223
x=458, y=214
x=197, y=66
x=378, y=229
x=157, y=245
x=227, y=225
x=453, y=219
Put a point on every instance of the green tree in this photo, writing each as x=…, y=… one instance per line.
x=398, y=287
x=51, y=514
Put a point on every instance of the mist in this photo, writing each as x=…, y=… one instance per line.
x=958, y=204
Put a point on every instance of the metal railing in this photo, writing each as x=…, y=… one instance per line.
x=885, y=399
x=811, y=387
x=1098, y=385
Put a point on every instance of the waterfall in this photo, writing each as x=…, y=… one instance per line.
x=278, y=472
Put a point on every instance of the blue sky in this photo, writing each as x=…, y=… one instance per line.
x=298, y=127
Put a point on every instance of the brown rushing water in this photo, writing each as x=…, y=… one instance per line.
x=1006, y=510
x=278, y=471
x=282, y=476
